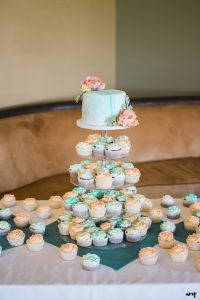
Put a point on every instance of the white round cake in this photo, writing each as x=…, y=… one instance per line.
x=99, y=106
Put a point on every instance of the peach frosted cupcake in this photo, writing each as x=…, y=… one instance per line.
x=103, y=181
x=141, y=226
x=44, y=211
x=132, y=176
x=68, y=251
x=191, y=223
x=29, y=204
x=35, y=242
x=132, y=206
x=156, y=215
x=179, y=252
x=16, y=237
x=21, y=220
x=125, y=145
x=70, y=194
x=74, y=229
x=93, y=138
x=8, y=200
x=147, y=205
x=97, y=209
x=166, y=239
x=193, y=241
x=55, y=201
x=84, y=239
x=148, y=256
x=106, y=226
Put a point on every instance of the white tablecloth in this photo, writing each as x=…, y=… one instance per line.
x=29, y=274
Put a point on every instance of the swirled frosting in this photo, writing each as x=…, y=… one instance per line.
x=166, y=236
x=55, y=199
x=193, y=238
x=98, y=235
x=80, y=190
x=139, y=225
x=22, y=217
x=122, y=138
x=92, y=258
x=75, y=167
x=106, y=226
x=123, y=223
x=70, y=194
x=115, y=232
x=84, y=145
x=5, y=212
x=15, y=234
x=192, y=220
x=178, y=248
x=97, y=205
x=156, y=212
x=4, y=225
x=127, y=165
x=35, y=239
x=167, y=199
x=93, y=138
x=191, y=198
x=71, y=200
x=76, y=227
x=43, y=208
x=132, y=202
x=168, y=226
x=173, y=210
x=108, y=199
x=83, y=236
x=131, y=172
x=69, y=247
x=92, y=166
x=99, y=145
x=148, y=252
x=113, y=147
x=123, y=143
x=9, y=197
x=77, y=220
x=29, y=201
x=103, y=177
x=38, y=226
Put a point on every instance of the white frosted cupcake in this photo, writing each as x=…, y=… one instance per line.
x=141, y=226
x=125, y=145
x=37, y=227
x=74, y=229
x=118, y=177
x=55, y=202
x=99, y=149
x=148, y=256
x=63, y=228
x=167, y=201
x=114, y=208
x=168, y=226
x=115, y=235
x=156, y=215
x=16, y=237
x=173, y=212
x=5, y=213
x=191, y=223
x=104, y=181
x=166, y=239
x=132, y=175
x=146, y=220
x=113, y=151
x=84, y=149
x=68, y=251
x=86, y=178
x=44, y=212
x=84, y=239
x=8, y=200
x=132, y=206
x=132, y=234
x=193, y=241
x=179, y=252
x=29, y=204
x=21, y=220
x=90, y=262
x=80, y=209
x=4, y=228
x=147, y=205
x=35, y=242
x=97, y=210
x=99, y=238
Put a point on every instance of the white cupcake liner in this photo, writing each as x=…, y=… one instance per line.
x=98, y=153
x=148, y=261
x=115, y=239
x=83, y=213
x=191, y=227
x=132, y=178
x=113, y=154
x=89, y=267
x=35, y=247
x=100, y=242
x=166, y=245
x=44, y=215
x=86, y=243
x=37, y=231
x=21, y=224
x=86, y=183
x=104, y=184
x=113, y=211
x=132, y=238
x=3, y=232
x=179, y=257
x=17, y=242
x=29, y=207
x=193, y=246
x=67, y=255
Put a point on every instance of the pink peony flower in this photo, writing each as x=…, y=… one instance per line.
x=127, y=118
x=92, y=83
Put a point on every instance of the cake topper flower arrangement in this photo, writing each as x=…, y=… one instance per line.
x=90, y=83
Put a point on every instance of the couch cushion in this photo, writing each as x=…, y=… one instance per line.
x=177, y=177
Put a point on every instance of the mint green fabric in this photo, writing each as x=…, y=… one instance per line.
x=113, y=256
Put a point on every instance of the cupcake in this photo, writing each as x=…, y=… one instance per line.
x=88, y=196
x=99, y=238
x=131, y=218
x=4, y=228
x=63, y=228
x=84, y=239
x=68, y=251
x=198, y=262
x=111, y=193
x=92, y=229
x=106, y=226
x=114, y=208
x=88, y=223
x=168, y=226
x=86, y=178
x=90, y=262
x=35, y=242
x=29, y=204
x=16, y=237
x=173, y=212
x=37, y=228
x=191, y=223
x=110, y=166
x=125, y=145
x=77, y=220
x=166, y=239
x=156, y=215
x=147, y=206
x=80, y=209
x=55, y=202
x=65, y=217
x=113, y=151
x=84, y=149
x=132, y=206
x=193, y=241
x=148, y=256
x=141, y=226
x=195, y=208
x=123, y=224
x=104, y=181
x=118, y=177
x=69, y=202
x=96, y=193
x=189, y=199
x=122, y=197
x=132, y=175
x=21, y=220
x=8, y=200
x=92, y=166
x=80, y=190
x=93, y=138
x=127, y=166
x=99, y=149
x=146, y=220
x=115, y=235
x=179, y=252
x=97, y=210
x=43, y=212
x=132, y=234
x=107, y=199
x=167, y=201
x=74, y=229
x=74, y=169
x=70, y=194
x=5, y=214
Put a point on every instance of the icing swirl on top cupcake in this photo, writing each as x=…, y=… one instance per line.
x=29, y=201
x=97, y=205
x=132, y=202
x=192, y=220
x=55, y=198
x=22, y=217
x=134, y=171
x=166, y=236
x=15, y=234
x=35, y=239
x=77, y=220
x=43, y=208
x=70, y=194
x=148, y=252
x=156, y=212
x=68, y=247
x=178, y=248
x=103, y=176
x=92, y=138
x=193, y=238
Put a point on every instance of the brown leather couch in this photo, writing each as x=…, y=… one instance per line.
x=37, y=145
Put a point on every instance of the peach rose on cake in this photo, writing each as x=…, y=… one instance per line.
x=127, y=118
x=92, y=83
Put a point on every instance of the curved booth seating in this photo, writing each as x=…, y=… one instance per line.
x=37, y=145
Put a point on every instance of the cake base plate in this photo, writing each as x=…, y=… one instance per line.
x=81, y=124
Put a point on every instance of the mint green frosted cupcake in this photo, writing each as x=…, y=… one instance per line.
x=189, y=199
x=5, y=227
x=80, y=190
x=98, y=149
x=90, y=262
x=173, y=212
x=99, y=238
x=88, y=223
x=113, y=151
x=73, y=170
x=122, y=197
x=5, y=213
x=115, y=235
x=37, y=228
x=123, y=224
x=118, y=177
x=111, y=193
x=127, y=165
x=65, y=217
x=86, y=178
x=114, y=208
x=168, y=226
x=97, y=193
x=69, y=202
x=92, y=229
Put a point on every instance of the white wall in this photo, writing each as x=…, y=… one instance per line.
x=48, y=46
